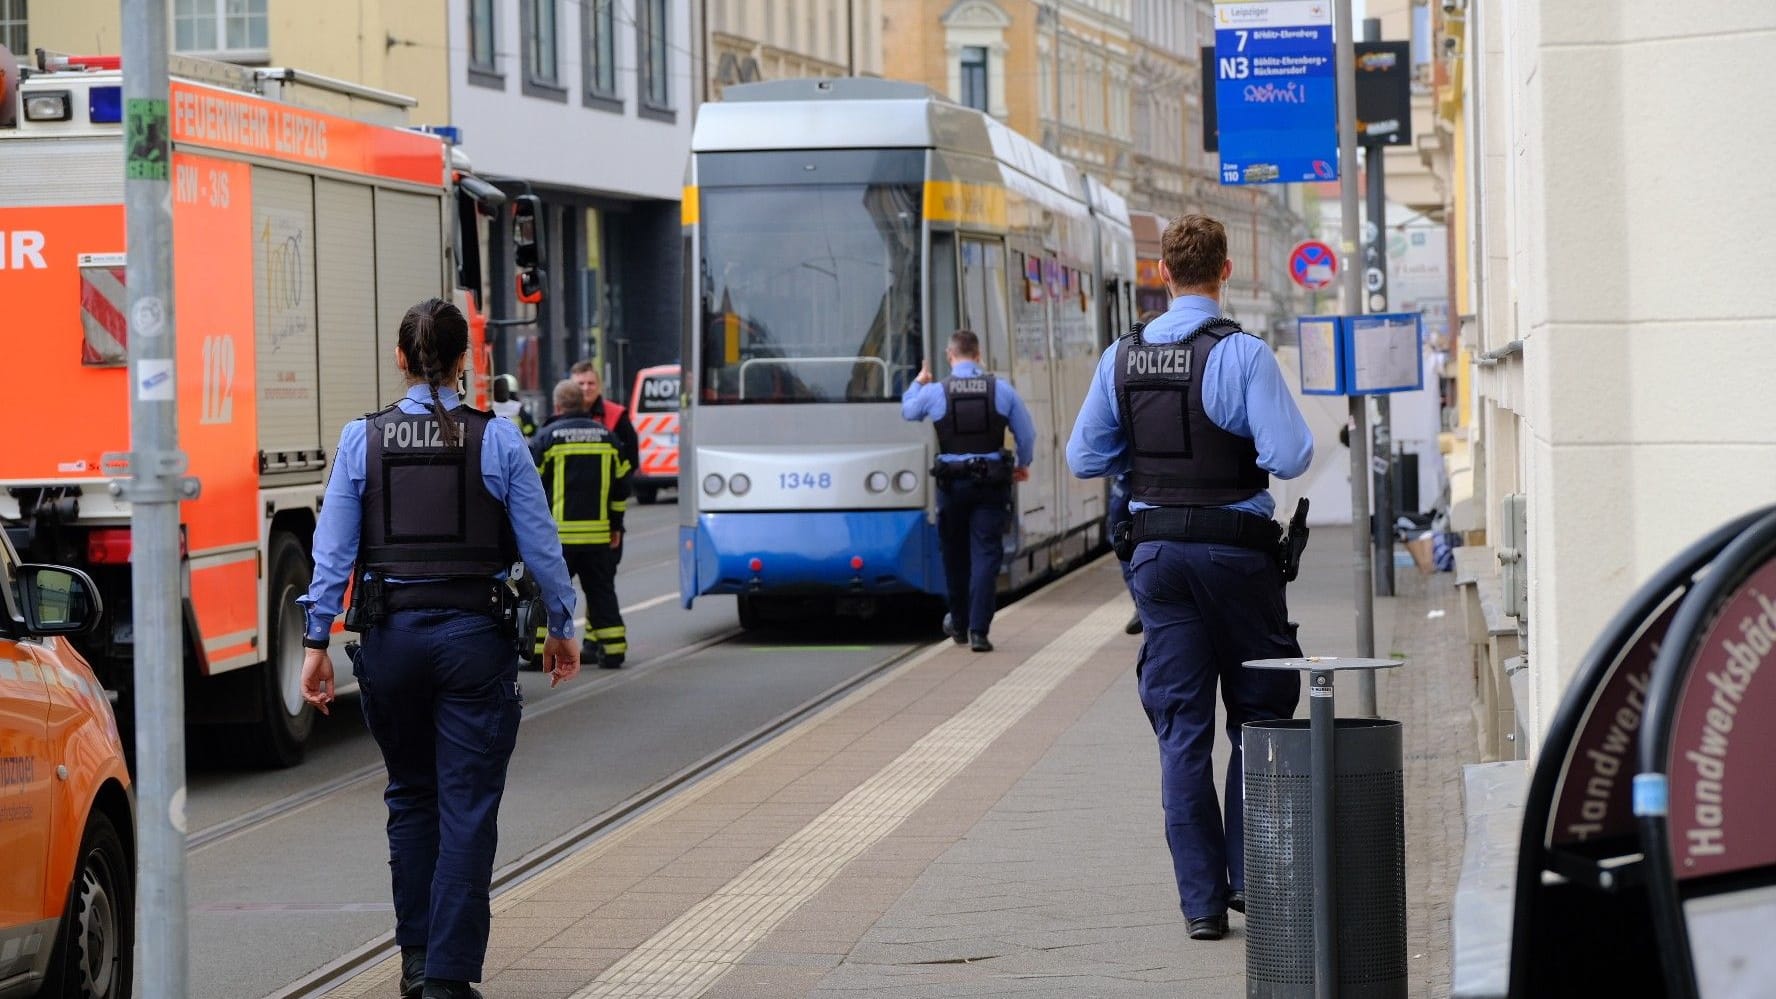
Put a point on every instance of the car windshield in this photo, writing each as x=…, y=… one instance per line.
x=810, y=293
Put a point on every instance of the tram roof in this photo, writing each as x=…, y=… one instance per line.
x=868, y=113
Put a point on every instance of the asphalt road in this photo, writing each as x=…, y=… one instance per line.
x=277, y=891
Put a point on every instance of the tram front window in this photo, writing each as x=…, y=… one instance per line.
x=810, y=293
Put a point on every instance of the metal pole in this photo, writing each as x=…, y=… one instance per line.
x=1060, y=119
x=1351, y=303
x=1375, y=279
x=156, y=484
x=1321, y=761
x=1375, y=282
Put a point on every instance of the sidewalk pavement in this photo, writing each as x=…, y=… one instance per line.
x=970, y=825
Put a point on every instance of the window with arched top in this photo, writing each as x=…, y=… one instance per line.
x=974, y=49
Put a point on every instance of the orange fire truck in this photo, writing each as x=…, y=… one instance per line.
x=306, y=220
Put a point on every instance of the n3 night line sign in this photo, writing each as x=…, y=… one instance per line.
x=1275, y=91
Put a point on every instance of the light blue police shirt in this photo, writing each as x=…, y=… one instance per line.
x=1243, y=393
x=928, y=402
x=511, y=477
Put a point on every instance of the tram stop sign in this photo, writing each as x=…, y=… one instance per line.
x=1313, y=265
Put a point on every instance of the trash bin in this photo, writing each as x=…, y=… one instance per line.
x=1369, y=869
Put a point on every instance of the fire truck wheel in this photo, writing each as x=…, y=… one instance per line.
x=646, y=495
x=286, y=719
x=93, y=950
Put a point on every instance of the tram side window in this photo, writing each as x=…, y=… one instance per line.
x=983, y=284
x=946, y=314
x=810, y=293
x=1029, y=323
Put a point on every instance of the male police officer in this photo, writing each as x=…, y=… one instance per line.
x=586, y=479
x=971, y=410
x=1197, y=413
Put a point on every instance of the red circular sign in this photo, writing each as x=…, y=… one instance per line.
x=1313, y=265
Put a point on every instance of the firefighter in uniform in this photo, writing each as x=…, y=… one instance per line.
x=428, y=506
x=586, y=478
x=1196, y=412
x=507, y=404
x=971, y=410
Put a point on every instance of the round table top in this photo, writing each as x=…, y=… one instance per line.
x=1317, y=664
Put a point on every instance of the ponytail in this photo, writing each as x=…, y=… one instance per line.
x=433, y=338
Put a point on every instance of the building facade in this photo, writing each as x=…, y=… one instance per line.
x=1619, y=325
x=752, y=40
x=587, y=105
x=1058, y=71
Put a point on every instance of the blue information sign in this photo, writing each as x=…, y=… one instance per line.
x=1276, y=91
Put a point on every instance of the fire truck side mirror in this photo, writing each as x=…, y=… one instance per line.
x=527, y=255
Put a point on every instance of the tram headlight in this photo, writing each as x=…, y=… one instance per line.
x=906, y=480
x=712, y=484
x=739, y=484
x=876, y=482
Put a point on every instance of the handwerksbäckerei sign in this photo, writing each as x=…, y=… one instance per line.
x=1276, y=98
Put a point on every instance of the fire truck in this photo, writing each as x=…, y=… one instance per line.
x=307, y=218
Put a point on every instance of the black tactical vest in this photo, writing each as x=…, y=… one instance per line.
x=427, y=511
x=1178, y=456
x=971, y=423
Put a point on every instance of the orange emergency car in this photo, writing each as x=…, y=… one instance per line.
x=653, y=408
x=67, y=861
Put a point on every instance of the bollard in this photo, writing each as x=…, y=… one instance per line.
x=1325, y=848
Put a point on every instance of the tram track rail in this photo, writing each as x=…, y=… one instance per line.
x=606, y=823
x=298, y=801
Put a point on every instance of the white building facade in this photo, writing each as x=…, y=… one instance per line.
x=587, y=105
x=1623, y=313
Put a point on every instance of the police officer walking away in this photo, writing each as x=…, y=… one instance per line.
x=586, y=479
x=971, y=410
x=1196, y=412
x=432, y=502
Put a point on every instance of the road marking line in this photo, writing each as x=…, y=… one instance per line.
x=697, y=949
x=649, y=602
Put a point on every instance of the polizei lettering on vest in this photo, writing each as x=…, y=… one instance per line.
x=1151, y=361
x=968, y=386
x=422, y=434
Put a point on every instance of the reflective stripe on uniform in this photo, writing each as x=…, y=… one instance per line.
x=583, y=532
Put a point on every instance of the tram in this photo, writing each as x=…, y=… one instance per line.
x=836, y=232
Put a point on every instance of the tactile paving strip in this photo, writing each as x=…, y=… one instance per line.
x=691, y=954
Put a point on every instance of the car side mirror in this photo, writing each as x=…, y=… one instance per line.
x=57, y=600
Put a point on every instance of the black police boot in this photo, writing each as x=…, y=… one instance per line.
x=1134, y=625
x=440, y=988
x=412, y=972
x=949, y=627
x=1201, y=928
x=977, y=640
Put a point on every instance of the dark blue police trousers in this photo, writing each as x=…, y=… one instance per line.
x=1206, y=609
x=971, y=527
x=440, y=695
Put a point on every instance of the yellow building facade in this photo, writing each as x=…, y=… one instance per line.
x=752, y=40
x=1058, y=72
x=395, y=45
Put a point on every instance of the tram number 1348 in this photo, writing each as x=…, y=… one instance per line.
x=804, y=480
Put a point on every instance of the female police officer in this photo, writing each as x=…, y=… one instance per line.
x=437, y=672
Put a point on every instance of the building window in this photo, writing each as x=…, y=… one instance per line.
x=483, y=53
x=231, y=29
x=12, y=27
x=975, y=48
x=651, y=37
x=974, y=77
x=598, y=40
x=542, y=50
